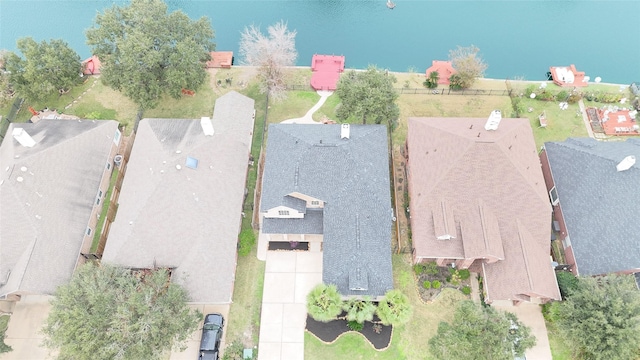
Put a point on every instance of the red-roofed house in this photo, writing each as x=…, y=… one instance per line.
x=444, y=70
x=326, y=71
x=478, y=201
x=91, y=66
x=220, y=59
x=567, y=76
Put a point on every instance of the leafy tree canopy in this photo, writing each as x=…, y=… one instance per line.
x=47, y=68
x=324, y=302
x=147, y=52
x=468, y=64
x=480, y=333
x=394, y=308
x=107, y=312
x=601, y=318
x=368, y=95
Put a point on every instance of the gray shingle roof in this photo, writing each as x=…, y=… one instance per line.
x=187, y=219
x=352, y=177
x=43, y=218
x=600, y=205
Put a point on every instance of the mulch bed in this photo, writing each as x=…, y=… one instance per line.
x=330, y=331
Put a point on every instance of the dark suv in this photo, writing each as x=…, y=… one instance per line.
x=211, y=335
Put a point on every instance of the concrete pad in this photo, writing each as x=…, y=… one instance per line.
x=308, y=262
x=279, y=288
x=293, y=334
x=293, y=351
x=280, y=261
x=270, y=351
x=295, y=315
x=531, y=315
x=304, y=283
x=271, y=313
x=263, y=245
x=24, y=331
x=270, y=332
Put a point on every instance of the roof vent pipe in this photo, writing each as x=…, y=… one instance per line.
x=626, y=163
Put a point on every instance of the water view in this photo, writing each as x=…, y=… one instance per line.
x=516, y=38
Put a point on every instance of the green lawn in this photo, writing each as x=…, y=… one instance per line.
x=97, y=233
x=561, y=124
x=4, y=324
x=409, y=341
x=295, y=105
x=559, y=351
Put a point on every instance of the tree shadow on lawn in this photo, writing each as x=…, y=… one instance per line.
x=332, y=330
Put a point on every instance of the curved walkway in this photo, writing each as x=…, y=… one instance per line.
x=308, y=117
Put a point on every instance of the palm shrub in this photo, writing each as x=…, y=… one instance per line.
x=436, y=284
x=355, y=326
x=394, y=308
x=431, y=268
x=359, y=310
x=324, y=302
x=432, y=80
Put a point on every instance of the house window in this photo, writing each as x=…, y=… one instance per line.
x=116, y=137
x=108, y=165
x=97, y=201
x=88, y=231
x=283, y=212
x=315, y=202
x=553, y=195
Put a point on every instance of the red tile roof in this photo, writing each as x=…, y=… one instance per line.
x=220, y=59
x=326, y=71
x=617, y=122
x=492, y=185
x=91, y=66
x=444, y=69
x=567, y=76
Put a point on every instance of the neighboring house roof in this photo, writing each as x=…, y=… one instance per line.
x=186, y=219
x=444, y=70
x=486, y=189
x=48, y=193
x=351, y=176
x=326, y=71
x=600, y=205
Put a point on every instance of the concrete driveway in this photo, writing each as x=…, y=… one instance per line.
x=531, y=315
x=23, y=333
x=193, y=344
x=288, y=278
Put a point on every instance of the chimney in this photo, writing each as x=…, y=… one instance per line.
x=344, y=131
x=23, y=138
x=207, y=126
x=626, y=163
x=494, y=120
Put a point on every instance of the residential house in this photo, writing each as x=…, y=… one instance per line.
x=478, y=202
x=326, y=188
x=593, y=188
x=53, y=179
x=181, y=200
x=444, y=70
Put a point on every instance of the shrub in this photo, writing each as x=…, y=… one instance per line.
x=394, y=308
x=464, y=274
x=466, y=290
x=324, y=302
x=544, y=95
x=436, y=284
x=246, y=242
x=567, y=283
x=529, y=90
x=359, y=310
x=574, y=98
x=426, y=284
x=418, y=269
x=431, y=268
x=355, y=326
x=562, y=95
x=233, y=351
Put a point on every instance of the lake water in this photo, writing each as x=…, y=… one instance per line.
x=516, y=38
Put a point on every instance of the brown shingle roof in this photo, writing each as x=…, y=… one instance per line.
x=492, y=182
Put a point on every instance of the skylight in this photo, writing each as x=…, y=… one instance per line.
x=192, y=162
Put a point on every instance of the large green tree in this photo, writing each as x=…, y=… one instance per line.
x=368, y=96
x=6, y=90
x=47, y=68
x=147, y=52
x=106, y=312
x=480, y=333
x=600, y=319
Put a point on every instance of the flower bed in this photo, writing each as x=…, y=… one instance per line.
x=431, y=279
